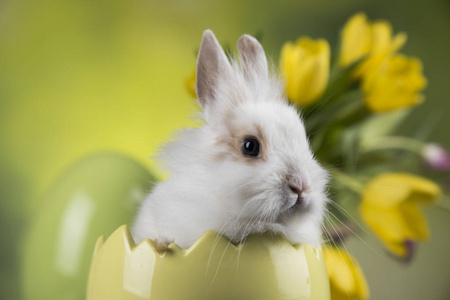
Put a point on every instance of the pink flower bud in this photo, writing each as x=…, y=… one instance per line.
x=436, y=157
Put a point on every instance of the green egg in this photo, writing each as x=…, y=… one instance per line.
x=91, y=198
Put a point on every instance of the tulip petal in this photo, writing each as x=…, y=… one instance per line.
x=386, y=191
x=398, y=41
x=347, y=280
x=355, y=40
x=414, y=221
x=381, y=37
x=388, y=224
x=390, y=207
x=339, y=268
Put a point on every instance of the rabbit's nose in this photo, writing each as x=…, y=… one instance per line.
x=299, y=187
x=299, y=182
x=296, y=190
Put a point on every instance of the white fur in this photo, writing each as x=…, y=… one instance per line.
x=213, y=188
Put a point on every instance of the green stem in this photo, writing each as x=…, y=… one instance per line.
x=347, y=181
x=393, y=142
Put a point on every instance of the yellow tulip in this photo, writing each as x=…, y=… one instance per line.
x=390, y=207
x=347, y=280
x=305, y=66
x=356, y=39
x=361, y=38
x=395, y=84
x=189, y=84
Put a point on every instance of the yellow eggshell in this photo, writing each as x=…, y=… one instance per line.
x=265, y=267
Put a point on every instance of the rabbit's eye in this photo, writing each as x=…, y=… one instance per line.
x=251, y=147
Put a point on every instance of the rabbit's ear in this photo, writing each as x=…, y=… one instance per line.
x=252, y=57
x=212, y=66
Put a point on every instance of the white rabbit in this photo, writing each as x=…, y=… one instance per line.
x=247, y=169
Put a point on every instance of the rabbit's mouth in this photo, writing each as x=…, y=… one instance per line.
x=295, y=205
x=295, y=200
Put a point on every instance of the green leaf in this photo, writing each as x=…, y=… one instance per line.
x=382, y=124
x=349, y=148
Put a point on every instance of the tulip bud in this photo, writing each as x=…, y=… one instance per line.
x=305, y=66
x=436, y=157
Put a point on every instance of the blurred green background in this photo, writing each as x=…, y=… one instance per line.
x=82, y=77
